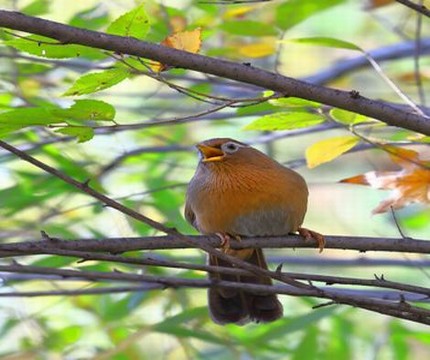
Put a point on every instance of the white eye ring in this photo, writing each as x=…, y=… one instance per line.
x=230, y=147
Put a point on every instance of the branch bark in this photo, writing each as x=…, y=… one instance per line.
x=417, y=7
x=400, y=308
x=239, y=72
x=120, y=245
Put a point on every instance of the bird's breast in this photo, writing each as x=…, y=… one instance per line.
x=270, y=210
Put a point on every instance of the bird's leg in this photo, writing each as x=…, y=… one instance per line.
x=312, y=235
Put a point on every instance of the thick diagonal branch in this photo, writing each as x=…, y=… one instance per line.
x=226, y=69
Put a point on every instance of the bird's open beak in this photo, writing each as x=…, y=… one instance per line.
x=210, y=153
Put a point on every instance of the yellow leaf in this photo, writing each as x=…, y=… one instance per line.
x=237, y=12
x=326, y=150
x=257, y=50
x=185, y=40
x=190, y=41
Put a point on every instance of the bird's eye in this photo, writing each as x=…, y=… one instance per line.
x=230, y=147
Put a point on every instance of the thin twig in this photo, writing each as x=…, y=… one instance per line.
x=417, y=7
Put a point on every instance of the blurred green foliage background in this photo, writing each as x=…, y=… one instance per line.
x=148, y=167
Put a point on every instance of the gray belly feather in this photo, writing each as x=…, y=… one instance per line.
x=264, y=223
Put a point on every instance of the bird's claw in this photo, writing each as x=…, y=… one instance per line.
x=309, y=235
x=225, y=242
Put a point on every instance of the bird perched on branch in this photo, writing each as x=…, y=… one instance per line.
x=239, y=191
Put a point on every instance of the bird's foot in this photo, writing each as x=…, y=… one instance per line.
x=225, y=246
x=309, y=235
x=225, y=241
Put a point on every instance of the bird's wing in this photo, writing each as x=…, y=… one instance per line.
x=189, y=215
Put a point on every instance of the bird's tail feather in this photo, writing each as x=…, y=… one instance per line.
x=237, y=306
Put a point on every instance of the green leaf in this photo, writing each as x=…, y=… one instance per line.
x=264, y=107
x=248, y=28
x=54, y=261
x=329, y=149
x=285, y=121
x=291, y=102
x=175, y=326
x=36, y=8
x=399, y=341
x=289, y=325
x=49, y=48
x=87, y=109
x=308, y=346
x=5, y=130
x=134, y=23
x=327, y=42
x=92, y=19
x=27, y=68
x=93, y=82
x=82, y=110
x=416, y=221
x=28, y=117
x=293, y=12
x=347, y=117
x=82, y=133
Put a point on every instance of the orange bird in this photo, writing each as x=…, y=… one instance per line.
x=239, y=191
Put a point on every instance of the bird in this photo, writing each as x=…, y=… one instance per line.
x=238, y=191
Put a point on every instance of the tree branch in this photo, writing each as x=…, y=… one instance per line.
x=123, y=244
x=399, y=309
x=227, y=69
x=418, y=8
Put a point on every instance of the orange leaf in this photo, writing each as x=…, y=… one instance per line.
x=177, y=23
x=373, y=4
x=184, y=40
x=409, y=185
x=359, y=179
x=403, y=157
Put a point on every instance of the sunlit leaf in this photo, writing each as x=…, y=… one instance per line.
x=29, y=116
x=347, y=117
x=88, y=110
x=293, y=12
x=293, y=102
x=36, y=8
x=46, y=47
x=93, y=82
x=134, y=23
x=327, y=42
x=285, y=121
x=417, y=221
x=329, y=149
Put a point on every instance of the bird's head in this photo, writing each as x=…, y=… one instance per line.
x=223, y=149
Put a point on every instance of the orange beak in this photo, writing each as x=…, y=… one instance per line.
x=210, y=153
